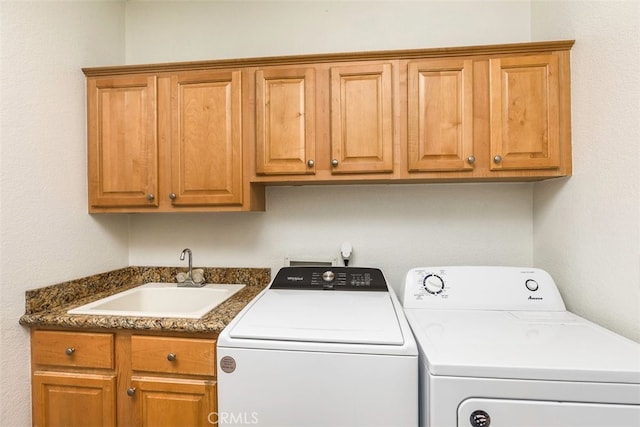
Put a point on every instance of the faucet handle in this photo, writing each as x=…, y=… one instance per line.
x=197, y=275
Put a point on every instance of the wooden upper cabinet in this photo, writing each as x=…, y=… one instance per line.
x=168, y=141
x=206, y=138
x=285, y=121
x=361, y=118
x=209, y=135
x=123, y=142
x=525, y=112
x=440, y=115
x=323, y=120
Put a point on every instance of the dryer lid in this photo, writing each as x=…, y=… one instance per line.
x=515, y=345
x=352, y=317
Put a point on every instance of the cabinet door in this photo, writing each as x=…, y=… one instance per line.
x=440, y=115
x=73, y=400
x=123, y=143
x=174, y=402
x=285, y=121
x=206, y=138
x=361, y=119
x=525, y=102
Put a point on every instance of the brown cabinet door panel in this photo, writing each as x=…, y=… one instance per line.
x=73, y=400
x=175, y=402
x=525, y=102
x=206, y=143
x=123, y=143
x=361, y=119
x=440, y=115
x=285, y=121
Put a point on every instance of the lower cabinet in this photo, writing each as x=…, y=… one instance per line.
x=73, y=399
x=173, y=381
x=174, y=402
x=122, y=378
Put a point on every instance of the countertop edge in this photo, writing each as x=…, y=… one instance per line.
x=47, y=306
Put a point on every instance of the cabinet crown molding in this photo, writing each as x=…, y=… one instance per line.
x=494, y=49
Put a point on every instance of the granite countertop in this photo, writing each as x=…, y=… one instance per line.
x=47, y=307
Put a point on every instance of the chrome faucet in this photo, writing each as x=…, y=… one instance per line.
x=189, y=280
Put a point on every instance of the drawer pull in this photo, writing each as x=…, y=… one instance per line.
x=69, y=351
x=131, y=391
x=171, y=357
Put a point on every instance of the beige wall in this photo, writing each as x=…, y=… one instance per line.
x=587, y=228
x=46, y=235
x=190, y=30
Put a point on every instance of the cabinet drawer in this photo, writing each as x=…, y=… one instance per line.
x=188, y=356
x=77, y=349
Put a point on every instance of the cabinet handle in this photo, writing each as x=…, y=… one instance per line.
x=497, y=158
x=131, y=391
x=150, y=197
x=334, y=163
x=172, y=196
x=171, y=357
x=471, y=160
x=310, y=163
x=69, y=351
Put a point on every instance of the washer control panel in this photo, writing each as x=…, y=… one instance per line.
x=330, y=278
x=481, y=288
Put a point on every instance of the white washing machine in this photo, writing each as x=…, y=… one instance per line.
x=498, y=348
x=319, y=347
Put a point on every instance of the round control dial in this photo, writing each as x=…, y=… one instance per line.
x=328, y=276
x=433, y=284
x=532, y=285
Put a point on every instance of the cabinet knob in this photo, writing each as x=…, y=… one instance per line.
x=471, y=160
x=131, y=391
x=172, y=196
x=497, y=158
x=171, y=357
x=69, y=351
x=310, y=163
x=334, y=163
x=150, y=197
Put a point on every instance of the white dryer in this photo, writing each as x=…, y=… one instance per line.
x=498, y=348
x=323, y=347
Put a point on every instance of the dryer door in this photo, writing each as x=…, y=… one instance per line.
x=536, y=413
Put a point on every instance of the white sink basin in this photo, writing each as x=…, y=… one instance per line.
x=161, y=300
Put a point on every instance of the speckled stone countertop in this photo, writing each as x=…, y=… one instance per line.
x=47, y=307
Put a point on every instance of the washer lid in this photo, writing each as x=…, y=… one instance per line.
x=523, y=345
x=354, y=317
